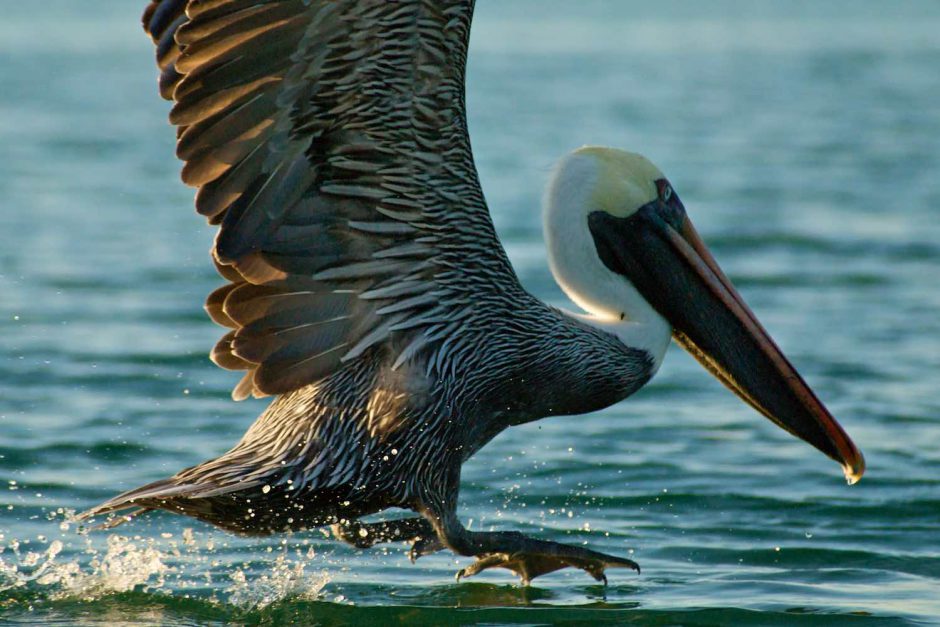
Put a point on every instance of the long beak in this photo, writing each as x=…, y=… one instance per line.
x=670, y=266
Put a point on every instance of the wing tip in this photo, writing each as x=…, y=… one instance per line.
x=159, y=14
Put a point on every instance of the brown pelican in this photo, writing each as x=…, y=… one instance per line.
x=368, y=293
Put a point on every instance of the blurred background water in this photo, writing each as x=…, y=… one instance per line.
x=804, y=138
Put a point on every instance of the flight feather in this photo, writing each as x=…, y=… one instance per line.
x=328, y=141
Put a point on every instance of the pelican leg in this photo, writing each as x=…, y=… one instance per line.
x=416, y=530
x=527, y=557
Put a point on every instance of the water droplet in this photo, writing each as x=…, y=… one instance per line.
x=266, y=489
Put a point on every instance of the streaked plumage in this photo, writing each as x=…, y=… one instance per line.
x=366, y=288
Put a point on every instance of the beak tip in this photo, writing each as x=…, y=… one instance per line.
x=854, y=470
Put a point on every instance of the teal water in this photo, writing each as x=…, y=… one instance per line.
x=804, y=139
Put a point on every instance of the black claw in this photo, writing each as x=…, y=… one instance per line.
x=423, y=546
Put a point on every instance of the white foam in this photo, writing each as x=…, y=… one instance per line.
x=287, y=579
x=63, y=571
x=124, y=565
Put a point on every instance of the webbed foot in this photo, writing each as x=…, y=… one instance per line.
x=425, y=545
x=530, y=558
x=416, y=530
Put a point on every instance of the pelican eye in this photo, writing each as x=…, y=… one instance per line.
x=666, y=192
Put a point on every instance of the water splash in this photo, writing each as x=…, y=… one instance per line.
x=56, y=570
x=126, y=564
x=287, y=579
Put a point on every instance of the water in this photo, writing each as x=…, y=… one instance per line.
x=804, y=139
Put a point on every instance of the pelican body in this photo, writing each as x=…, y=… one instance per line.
x=368, y=293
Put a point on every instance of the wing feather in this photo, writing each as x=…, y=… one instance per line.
x=328, y=141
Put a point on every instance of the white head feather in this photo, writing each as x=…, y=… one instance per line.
x=619, y=183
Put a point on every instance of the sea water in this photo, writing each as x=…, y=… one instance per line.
x=804, y=139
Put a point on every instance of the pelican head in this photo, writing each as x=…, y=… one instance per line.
x=622, y=247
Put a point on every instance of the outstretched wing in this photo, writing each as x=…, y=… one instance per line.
x=328, y=141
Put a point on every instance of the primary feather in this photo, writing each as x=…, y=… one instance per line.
x=328, y=139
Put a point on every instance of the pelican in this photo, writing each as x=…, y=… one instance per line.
x=367, y=291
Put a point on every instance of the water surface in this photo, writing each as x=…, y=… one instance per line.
x=804, y=139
